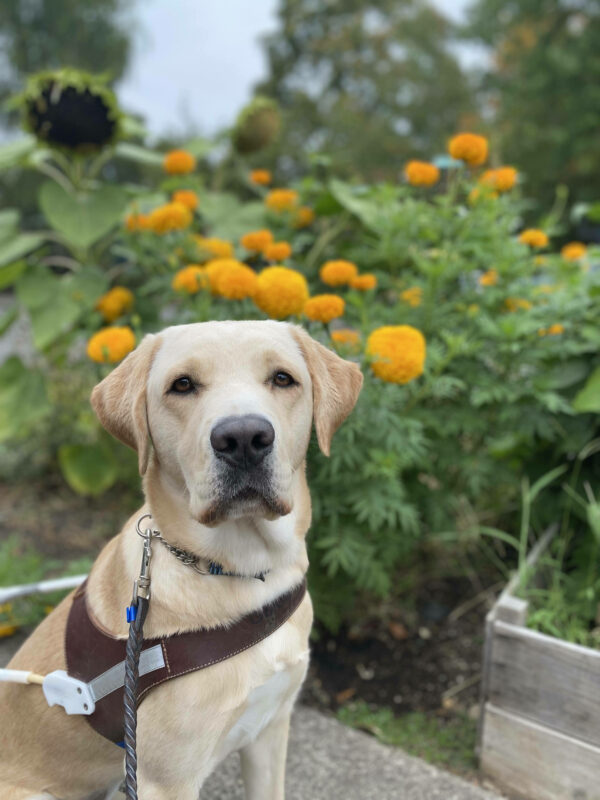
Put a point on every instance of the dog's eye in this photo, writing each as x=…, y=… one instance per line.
x=283, y=379
x=182, y=385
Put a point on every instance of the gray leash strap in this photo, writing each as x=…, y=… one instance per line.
x=132, y=659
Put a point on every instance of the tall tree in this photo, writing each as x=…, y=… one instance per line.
x=370, y=82
x=544, y=83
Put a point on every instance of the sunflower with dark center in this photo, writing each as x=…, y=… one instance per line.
x=257, y=126
x=71, y=109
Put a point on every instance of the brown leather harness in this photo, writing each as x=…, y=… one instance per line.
x=96, y=657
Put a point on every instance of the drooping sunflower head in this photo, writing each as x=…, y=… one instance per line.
x=71, y=109
x=257, y=126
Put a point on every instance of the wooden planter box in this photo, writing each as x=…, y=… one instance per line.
x=539, y=731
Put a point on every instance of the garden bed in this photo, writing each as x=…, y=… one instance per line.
x=540, y=722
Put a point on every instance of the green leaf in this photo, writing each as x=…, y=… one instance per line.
x=14, y=249
x=198, y=146
x=138, y=154
x=365, y=209
x=562, y=375
x=83, y=218
x=7, y=319
x=10, y=272
x=23, y=399
x=13, y=153
x=89, y=469
x=9, y=220
x=229, y=219
x=588, y=399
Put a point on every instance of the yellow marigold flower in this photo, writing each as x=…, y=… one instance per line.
x=516, y=303
x=187, y=198
x=346, y=336
x=6, y=630
x=489, y=278
x=256, y=241
x=190, y=279
x=534, y=237
x=115, y=302
x=170, y=217
x=216, y=268
x=277, y=251
x=469, y=147
x=573, y=251
x=261, y=177
x=282, y=200
x=399, y=352
x=412, y=296
x=502, y=179
x=179, y=162
x=364, y=282
x=324, y=307
x=218, y=248
x=137, y=222
x=472, y=308
x=110, y=345
x=338, y=273
x=421, y=173
x=556, y=329
x=236, y=282
x=281, y=292
x=305, y=216
x=477, y=194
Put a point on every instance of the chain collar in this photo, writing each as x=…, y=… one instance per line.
x=198, y=564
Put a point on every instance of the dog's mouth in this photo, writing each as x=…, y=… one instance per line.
x=242, y=494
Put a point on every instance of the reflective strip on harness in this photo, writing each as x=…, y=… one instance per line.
x=114, y=678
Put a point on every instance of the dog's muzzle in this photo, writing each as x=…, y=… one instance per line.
x=243, y=442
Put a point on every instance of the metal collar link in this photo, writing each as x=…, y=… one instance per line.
x=187, y=558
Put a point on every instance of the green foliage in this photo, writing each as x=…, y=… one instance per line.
x=588, y=398
x=446, y=742
x=89, y=469
x=23, y=399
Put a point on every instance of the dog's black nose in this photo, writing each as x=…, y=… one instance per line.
x=243, y=441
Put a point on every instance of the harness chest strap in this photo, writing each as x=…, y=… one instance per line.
x=96, y=657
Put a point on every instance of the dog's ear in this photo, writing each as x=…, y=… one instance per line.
x=336, y=385
x=120, y=400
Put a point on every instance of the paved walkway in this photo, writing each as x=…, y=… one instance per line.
x=328, y=761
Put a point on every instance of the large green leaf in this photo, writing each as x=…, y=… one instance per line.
x=89, y=469
x=10, y=272
x=83, y=218
x=366, y=209
x=138, y=154
x=56, y=303
x=23, y=399
x=15, y=248
x=9, y=220
x=588, y=399
x=227, y=218
x=13, y=153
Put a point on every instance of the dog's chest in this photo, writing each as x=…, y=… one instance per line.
x=261, y=707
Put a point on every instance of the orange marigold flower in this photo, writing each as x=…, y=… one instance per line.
x=421, y=173
x=324, y=307
x=399, y=353
x=277, y=251
x=534, y=237
x=516, y=303
x=216, y=268
x=187, y=198
x=338, y=273
x=346, y=337
x=179, y=162
x=137, y=222
x=502, y=179
x=573, y=251
x=469, y=147
x=282, y=200
x=115, y=302
x=261, y=177
x=170, y=217
x=489, y=278
x=190, y=279
x=556, y=329
x=217, y=248
x=305, y=216
x=236, y=282
x=281, y=292
x=256, y=241
x=110, y=345
x=412, y=296
x=364, y=282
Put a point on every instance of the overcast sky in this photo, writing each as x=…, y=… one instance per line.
x=195, y=61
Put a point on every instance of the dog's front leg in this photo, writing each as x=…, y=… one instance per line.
x=263, y=761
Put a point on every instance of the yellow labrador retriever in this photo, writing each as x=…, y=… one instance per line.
x=220, y=414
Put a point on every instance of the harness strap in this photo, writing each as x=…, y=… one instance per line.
x=96, y=657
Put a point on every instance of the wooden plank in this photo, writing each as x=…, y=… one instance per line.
x=546, y=680
x=534, y=762
x=512, y=609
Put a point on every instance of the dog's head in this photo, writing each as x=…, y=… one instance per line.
x=224, y=410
